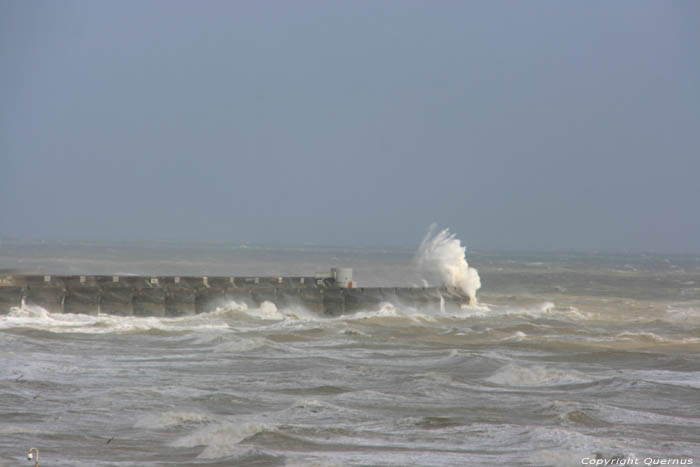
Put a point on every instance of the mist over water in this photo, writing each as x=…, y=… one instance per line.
x=565, y=357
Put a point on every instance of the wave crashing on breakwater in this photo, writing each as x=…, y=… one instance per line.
x=441, y=256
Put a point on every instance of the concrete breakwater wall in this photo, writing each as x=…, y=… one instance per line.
x=180, y=296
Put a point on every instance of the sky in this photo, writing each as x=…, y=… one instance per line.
x=518, y=125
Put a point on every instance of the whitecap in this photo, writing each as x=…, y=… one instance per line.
x=532, y=376
x=168, y=419
x=221, y=439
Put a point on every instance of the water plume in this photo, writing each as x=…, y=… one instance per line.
x=442, y=256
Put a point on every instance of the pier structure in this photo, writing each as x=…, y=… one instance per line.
x=187, y=295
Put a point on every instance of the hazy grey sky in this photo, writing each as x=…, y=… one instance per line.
x=517, y=124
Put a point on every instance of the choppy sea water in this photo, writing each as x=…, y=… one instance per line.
x=566, y=358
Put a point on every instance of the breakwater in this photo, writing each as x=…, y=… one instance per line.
x=184, y=295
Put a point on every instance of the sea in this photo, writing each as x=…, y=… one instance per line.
x=566, y=359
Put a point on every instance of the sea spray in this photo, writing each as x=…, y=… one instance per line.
x=441, y=256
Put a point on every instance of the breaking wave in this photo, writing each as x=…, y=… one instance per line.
x=222, y=439
x=534, y=376
x=441, y=256
x=233, y=316
x=168, y=419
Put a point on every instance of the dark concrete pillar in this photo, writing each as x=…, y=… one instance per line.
x=287, y=296
x=180, y=302
x=312, y=299
x=333, y=302
x=241, y=295
x=117, y=301
x=264, y=294
x=363, y=299
x=208, y=299
x=10, y=297
x=48, y=297
x=82, y=300
x=149, y=302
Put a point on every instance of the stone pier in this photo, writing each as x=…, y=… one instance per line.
x=180, y=296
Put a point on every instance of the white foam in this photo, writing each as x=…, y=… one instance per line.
x=682, y=315
x=543, y=310
x=514, y=375
x=386, y=310
x=441, y=255
x=266, y=311
x=240, y=345
x=228, y=307
x=238, y=317
x=411, y=314
x=221, y=439
x=313, y=406
x=677, y=378
x=567, y=447
x=518, y=336
x=166, y=419
x=34, y=317
x=642, y=336
x=14, y=430
x=306, y=462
